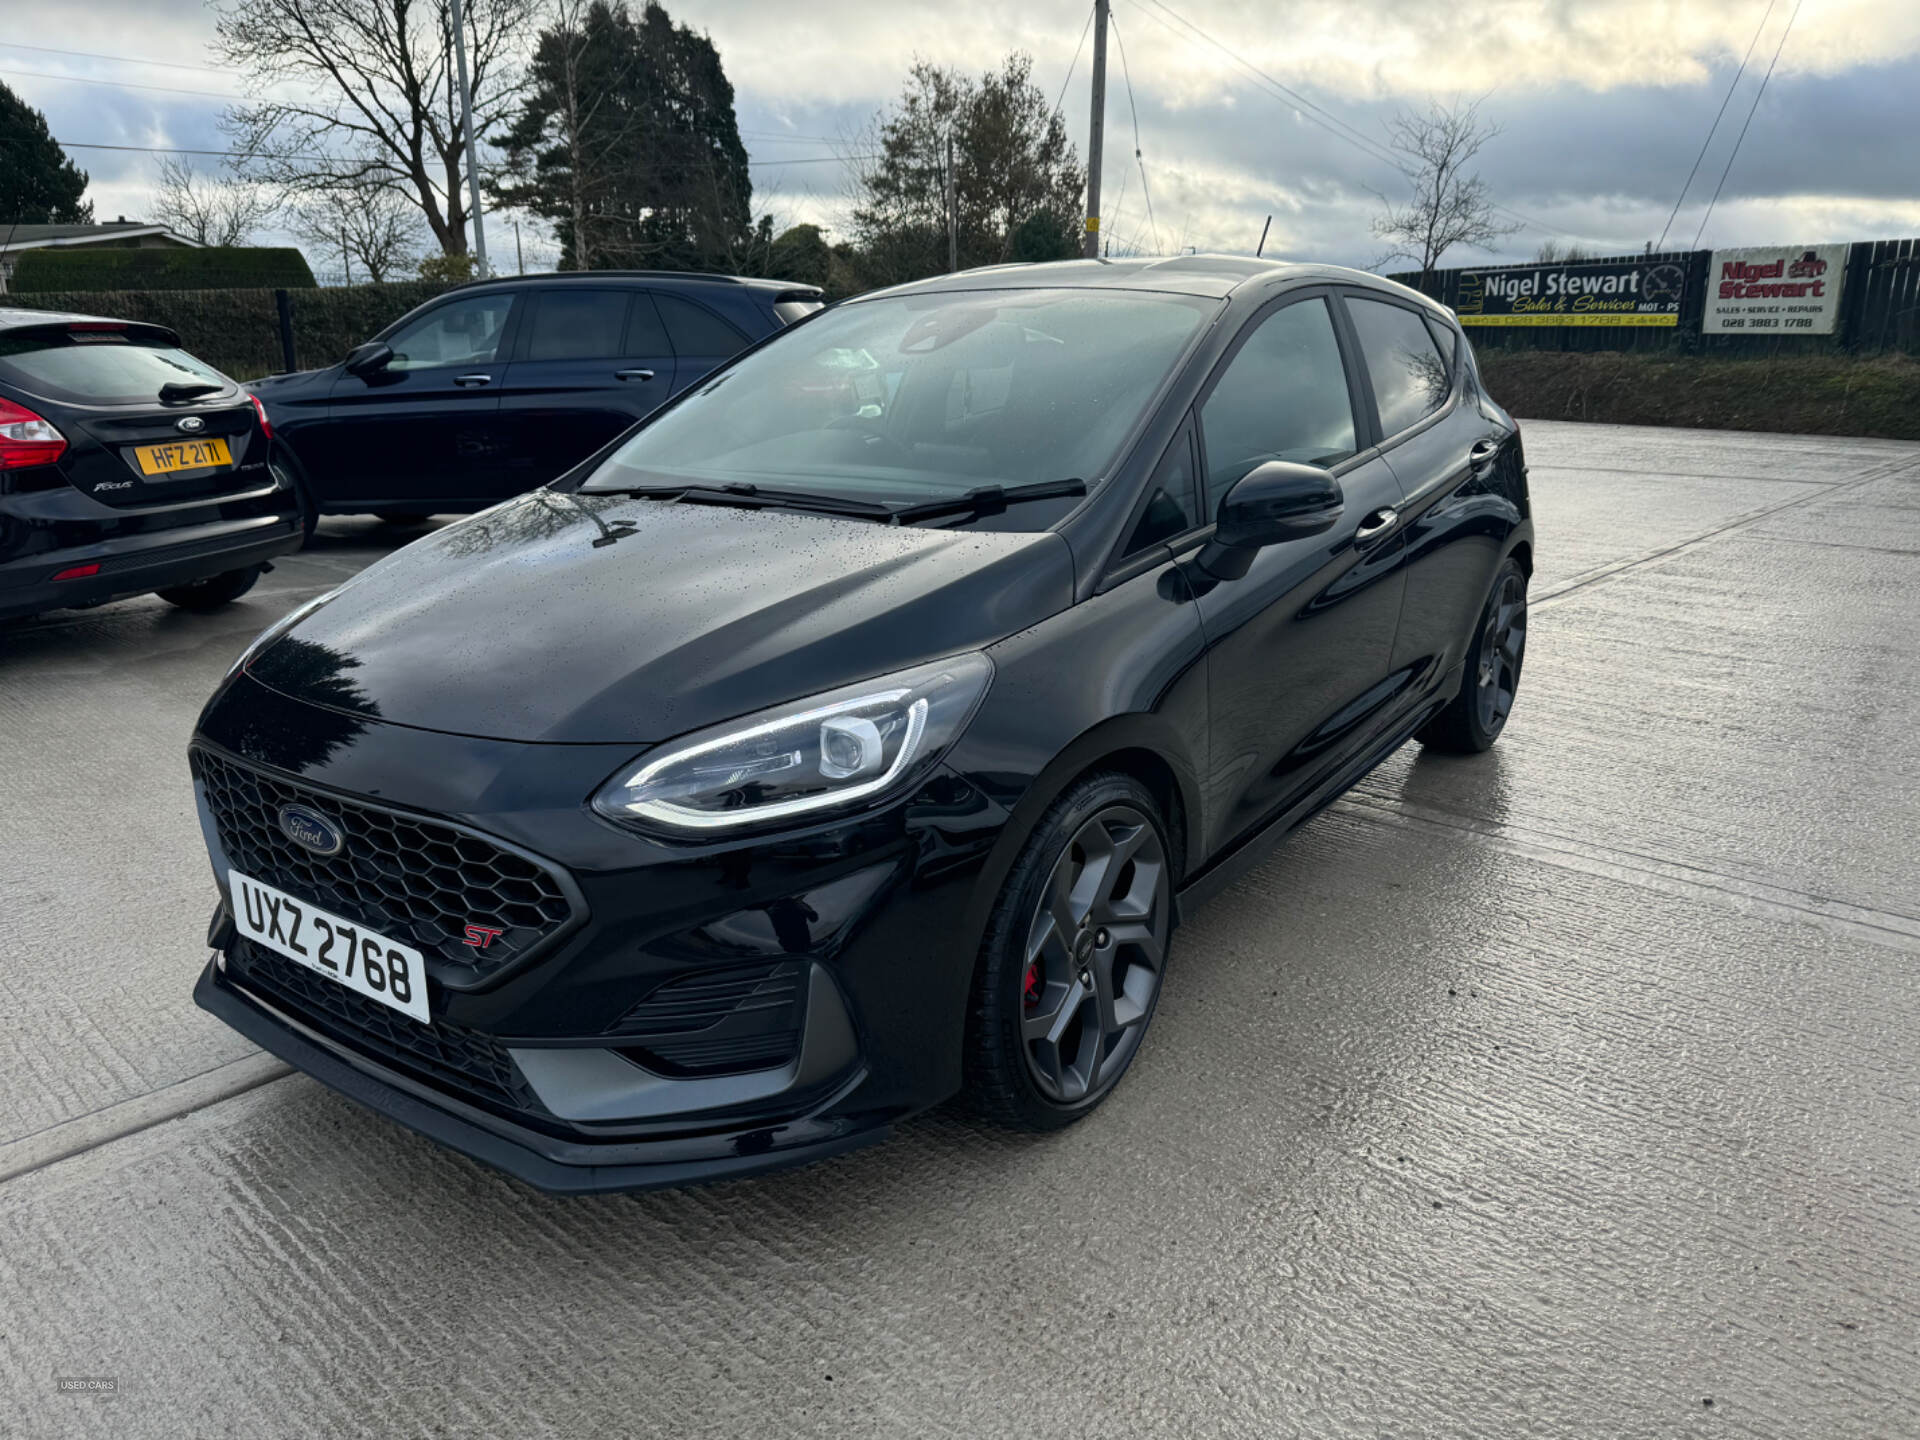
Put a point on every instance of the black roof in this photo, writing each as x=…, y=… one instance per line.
x=12, y=317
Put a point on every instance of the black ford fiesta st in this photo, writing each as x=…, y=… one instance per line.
x=857, y=730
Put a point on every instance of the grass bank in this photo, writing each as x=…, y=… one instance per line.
x=1803, y=394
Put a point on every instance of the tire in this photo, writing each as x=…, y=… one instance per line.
x=1475, y=717
x=1039, y=1050
x=213, y=592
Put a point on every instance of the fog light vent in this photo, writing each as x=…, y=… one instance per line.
x=717, y=1022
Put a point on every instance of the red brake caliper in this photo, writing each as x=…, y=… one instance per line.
x=1030, y=986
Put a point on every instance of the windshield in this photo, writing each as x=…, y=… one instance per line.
x=920, y=397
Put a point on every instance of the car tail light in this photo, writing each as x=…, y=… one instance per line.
x=266, y=425
x=78, y=572
x=26, y=439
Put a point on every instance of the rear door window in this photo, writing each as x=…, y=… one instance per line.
x=697, y=331
x=99, y=368
x=646, y=336
x=577, y=325
x=1410, y=380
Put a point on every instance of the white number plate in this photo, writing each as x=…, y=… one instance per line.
x=366, y=963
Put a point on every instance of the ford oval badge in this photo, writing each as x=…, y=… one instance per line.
x=190, y=424
x=310, y=829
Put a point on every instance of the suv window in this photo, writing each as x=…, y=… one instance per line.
x=646, y=336
x=696, y=330
x=1410, y=380
x=461, y=332
x=577, y=324
x=1170, y=504
x=1283, y=397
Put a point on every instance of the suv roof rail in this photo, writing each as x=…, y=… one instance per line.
x=707, y=276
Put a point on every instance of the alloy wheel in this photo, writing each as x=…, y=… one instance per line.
x=1503, y=645
x=1096, y=949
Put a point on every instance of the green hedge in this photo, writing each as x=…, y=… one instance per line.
x=111, y=268
x=1835, y=394
x=238, y=331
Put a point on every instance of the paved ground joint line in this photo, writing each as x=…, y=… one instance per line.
x=1885, y=471
x=140, y=1112
x=1881, y=927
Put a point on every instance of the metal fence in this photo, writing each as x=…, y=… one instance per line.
x=250, y=333
x=1878, y=310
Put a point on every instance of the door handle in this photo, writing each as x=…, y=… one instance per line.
x=1482, y=455
x=471, y=381
x=633, y=374
x=1376, y=525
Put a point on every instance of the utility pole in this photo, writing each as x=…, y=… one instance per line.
x=466, y=120
x=346, y=257
x=953, y=217
x=1096, y=128
x=519, y=255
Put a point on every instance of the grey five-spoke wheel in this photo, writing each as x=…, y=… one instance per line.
x=1095, y=949
x=1072, y=964
x=1474, y=718
x=1503, y=644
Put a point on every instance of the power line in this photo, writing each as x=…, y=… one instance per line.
x=1708, y=140
x=1317, y=115
x=1741, y=137
x=349, y=160
x=123, y=59
x=1152, y=229
x=123, y=84
x=1073, y=62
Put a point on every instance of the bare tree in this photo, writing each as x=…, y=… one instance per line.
x=1553, y=252
x=383, y=75
x=209, y=209
x=1449, y=207
x=375, y=231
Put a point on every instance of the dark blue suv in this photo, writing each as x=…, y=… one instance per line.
x=499, y=386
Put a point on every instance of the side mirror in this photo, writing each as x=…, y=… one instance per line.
x=367, y=358
x=1272, y=502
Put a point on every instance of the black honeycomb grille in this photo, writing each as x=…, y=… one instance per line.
x=463, y=1061
x=413, y=880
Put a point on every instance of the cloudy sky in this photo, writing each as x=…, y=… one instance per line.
x=1602, y=107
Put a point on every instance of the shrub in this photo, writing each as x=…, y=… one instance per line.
x=240, y=267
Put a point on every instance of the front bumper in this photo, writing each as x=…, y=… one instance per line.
x=606, y=1053
x=551, y=1163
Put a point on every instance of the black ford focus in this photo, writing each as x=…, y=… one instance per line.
x=127, y=466
x=857, y=730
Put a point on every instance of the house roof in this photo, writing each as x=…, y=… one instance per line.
x=35, y=237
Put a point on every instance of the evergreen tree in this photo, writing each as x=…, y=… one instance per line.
x=39, y=185
x=1017, y=184
x=628, y=144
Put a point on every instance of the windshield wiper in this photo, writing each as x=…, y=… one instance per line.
x=187, y=390
x=755, y=496
x=988, y=500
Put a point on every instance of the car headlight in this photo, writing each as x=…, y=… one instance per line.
x=827, y=752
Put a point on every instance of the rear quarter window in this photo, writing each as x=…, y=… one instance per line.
x=99, y=368
x=696, y=330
